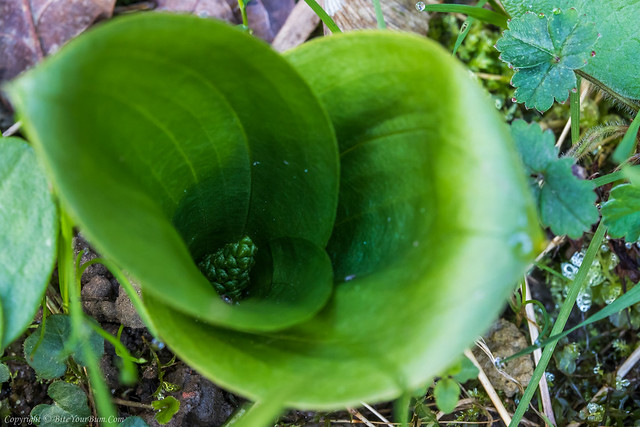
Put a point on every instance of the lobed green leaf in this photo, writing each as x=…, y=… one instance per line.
x=621, y=213
x=565, y=202
x=616, y=61
x=544, y=50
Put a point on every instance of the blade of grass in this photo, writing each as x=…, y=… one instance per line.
x=561, y=321
x=105, y=408
x=574, y=100
x=628, y=144
x=128, y=288
x=324, y=16
x=379, y=16
x=466, y=26
x=478, y=13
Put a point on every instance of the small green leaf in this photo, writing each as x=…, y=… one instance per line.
x=567, y=357
x=70, y=407
x=467, y=371
x=621, y=213
x=28, y=236
x=565, y=202
x=5, y=373
x=51, y=354
x=544, y=51
x=167, y=408
x=447, y=393
x=133, y=422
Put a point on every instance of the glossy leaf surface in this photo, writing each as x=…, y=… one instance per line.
x=565, y=202
x=616, y=59
x=165, y=148
x=28, y=237
x=545, y=51
x=421, y=153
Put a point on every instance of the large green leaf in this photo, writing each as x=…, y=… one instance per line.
x=165, y=148
x=433, y=227
x=616, y=59
x=28, y=236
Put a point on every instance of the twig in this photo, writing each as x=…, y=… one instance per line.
x=537, y=353
x=377, y=414
x=567, y=127
x=122, y=402
x=488, y=387
x=12, y=129
x=359, y=416
x=297, y=28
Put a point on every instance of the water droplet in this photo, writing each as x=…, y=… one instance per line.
x=285, y=162
x=537, y=342
x=584, y=300
x=498, y=363
x=521, y=243
x=157, y=343
x=574, y=90
x=577, y=258
x=628, y=245
x=569, y=270
x=550, y=376
x=256, y=163
x=541, y=15
x=638, y=245
x=416, y=244
x=593, y=53
x=514, y=99
x=464, y=26
x=306, y=171
x=556, y=11
x=364, y=243
x=614, y=260
x=48, y=242
x=388, y=219
x=420, y=6
x=604, y=248
x=593, y=407
x=349, y=277
x=622, y=383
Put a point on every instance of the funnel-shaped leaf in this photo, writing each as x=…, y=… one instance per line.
x=433, y=221
x=166, y=147
x=28, y=236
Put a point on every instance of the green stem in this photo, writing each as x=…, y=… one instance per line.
x=128, y=288
x=466, y=26
x=498, y=7
x=79, y=328
x=479, y=13
x=243, y=11
x=629, y=103
x=324, y=16
x=560, y=323
x=379, y=15
x=574, y=99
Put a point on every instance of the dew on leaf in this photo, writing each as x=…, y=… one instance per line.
x=420, y=6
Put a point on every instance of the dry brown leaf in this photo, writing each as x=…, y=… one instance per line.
x=31, y=29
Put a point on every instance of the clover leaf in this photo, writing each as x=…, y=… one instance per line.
x=621, y=213
x=565, y=202
x=48, y=352
x=544, y=51
x=70, y=407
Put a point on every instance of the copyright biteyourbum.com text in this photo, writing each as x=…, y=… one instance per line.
x=10, y=420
